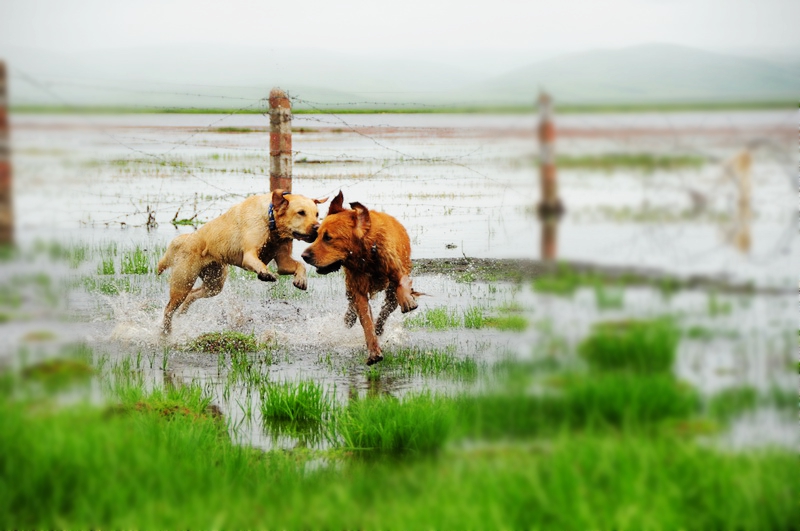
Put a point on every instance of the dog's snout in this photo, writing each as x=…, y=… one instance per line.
x=315, y=228
x=308, y=257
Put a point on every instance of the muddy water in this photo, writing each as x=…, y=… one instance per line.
x=463, y=186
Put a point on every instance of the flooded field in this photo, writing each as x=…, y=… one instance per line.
x=655, y=254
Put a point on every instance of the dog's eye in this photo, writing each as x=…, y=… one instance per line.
x=302, y=213
x=326, y=237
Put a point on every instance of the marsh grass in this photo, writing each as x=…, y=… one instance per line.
x=440, y=318
x=646, y=162
x=474, y=317
x=415, y=361
x=109, y=286
x=608, y=297
x=643, y=345
x=384, y=424
x=106, y=266
x=513, y=323
x=303, y=401
x=135, y=262
x=225, y=342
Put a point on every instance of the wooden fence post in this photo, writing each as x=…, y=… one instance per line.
x=280, y=141
x=550, y=207
x=550, y=204
x=6, y=206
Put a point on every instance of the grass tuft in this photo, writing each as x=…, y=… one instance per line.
x=384, y=424
x=226, y=342
x=645, y=346
x=289, y=401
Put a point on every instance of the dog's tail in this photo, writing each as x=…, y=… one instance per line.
x=169, y=256
x=166, y=261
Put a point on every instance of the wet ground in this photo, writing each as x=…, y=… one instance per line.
x=464, y=186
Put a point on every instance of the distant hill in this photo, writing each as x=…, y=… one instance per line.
x=233, y=77
x=664, y=73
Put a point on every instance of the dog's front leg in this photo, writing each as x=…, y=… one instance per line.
x=251, y=262
x=289, y=266
x=361, y=302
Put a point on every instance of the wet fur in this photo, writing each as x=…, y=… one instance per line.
x=375, y=251
x=241, y=237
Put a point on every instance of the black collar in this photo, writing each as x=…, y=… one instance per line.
x=272, y=225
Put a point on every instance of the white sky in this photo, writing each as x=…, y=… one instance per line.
x=374, y=25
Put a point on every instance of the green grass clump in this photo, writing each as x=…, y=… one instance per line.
x=731, y=402
x=426, y=362
x=106, y=267
x=646, y=162
x=645, y=346
x=235, y=130
x=226, y=342
x=635, y=402
x=301, y=401
x=415, y=424
x=607, y=298
x=108, y=286
x=58, y=372
x=473, y=317
x=434, y=318
x=514, y=323
x=135, y=262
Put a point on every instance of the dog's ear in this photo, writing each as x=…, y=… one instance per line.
x=278, y=199
x=363, y=223
x=320, y=201
x=336, y=204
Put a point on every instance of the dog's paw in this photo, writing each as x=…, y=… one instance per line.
x=301, y=283
x=267, y=277
x=373, y=359
x=408, y=305
x=350, y=318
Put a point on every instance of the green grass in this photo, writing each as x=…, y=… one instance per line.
x=440, y=318
x=513, y=323
x=135, y=262
x=609, y=298
x=106, y=267
x=384, y=424
x=647, y=162
x=416, y=361
x=163, y=459
x=646, y=346
x=226, y=342
x=109, y=286
x=474, y=318
x=563, y=108
x=238, y=130
x=303, y=401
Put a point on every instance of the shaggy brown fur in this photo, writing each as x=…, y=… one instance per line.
x=242, y=237
x=375, y=251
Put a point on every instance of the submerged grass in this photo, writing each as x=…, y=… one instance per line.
x=226, y=342
x=304, y=401
x=384, y=424
x=416, y=361
x=644, y=345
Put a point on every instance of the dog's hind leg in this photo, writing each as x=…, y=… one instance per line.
x=213, y=276
x=180, y=285
x=389, y=305
x=350, y=315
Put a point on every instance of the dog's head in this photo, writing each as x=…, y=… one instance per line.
x=340, y=236
x=296, y=215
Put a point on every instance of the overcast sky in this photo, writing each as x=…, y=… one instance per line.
x=374, y=26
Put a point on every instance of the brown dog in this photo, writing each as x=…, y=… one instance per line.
x=375, y=251
x=249, y=235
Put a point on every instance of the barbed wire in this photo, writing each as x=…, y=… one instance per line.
x=661, y=235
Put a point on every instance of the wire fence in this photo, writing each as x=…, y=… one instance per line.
x=458, y=158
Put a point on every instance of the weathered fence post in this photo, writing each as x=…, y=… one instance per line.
x=550, y=206
x=280, y=141
x=741, y=166
x=6, y=207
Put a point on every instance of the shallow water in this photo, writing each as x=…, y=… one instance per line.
x=462, y=186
